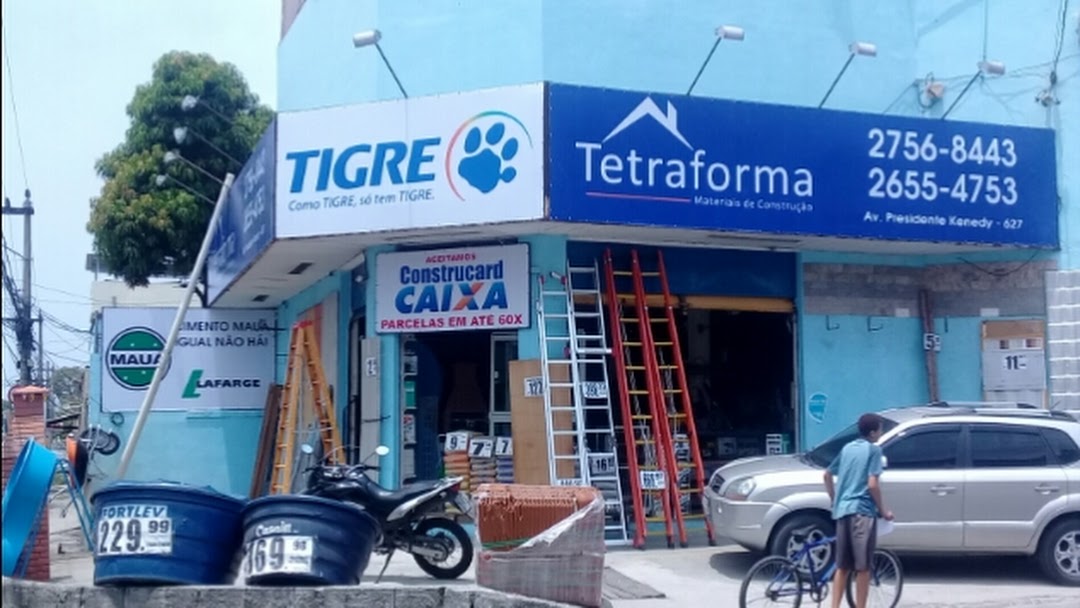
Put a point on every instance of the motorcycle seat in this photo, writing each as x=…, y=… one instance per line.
x=387, y=500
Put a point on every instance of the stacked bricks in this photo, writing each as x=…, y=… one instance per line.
x=28, y=422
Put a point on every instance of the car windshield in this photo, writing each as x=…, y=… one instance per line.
x=825, y=453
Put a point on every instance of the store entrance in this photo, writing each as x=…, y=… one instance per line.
x=453, y=382
x=740, y=366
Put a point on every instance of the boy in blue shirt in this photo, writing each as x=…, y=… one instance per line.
x=856, y=505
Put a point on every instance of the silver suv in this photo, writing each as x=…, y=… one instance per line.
x=962, y=479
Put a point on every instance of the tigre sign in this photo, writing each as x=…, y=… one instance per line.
x=223, y=359
x=453, y=289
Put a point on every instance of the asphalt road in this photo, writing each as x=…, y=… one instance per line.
x=707, y=576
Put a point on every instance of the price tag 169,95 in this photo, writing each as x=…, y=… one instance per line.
x=278, y=554
x=134, y=530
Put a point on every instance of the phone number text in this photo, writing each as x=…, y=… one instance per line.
x=914, y=146
x=916, y=185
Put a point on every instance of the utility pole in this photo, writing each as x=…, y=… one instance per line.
x=24, y=322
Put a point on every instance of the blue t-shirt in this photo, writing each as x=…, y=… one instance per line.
x=853, y=467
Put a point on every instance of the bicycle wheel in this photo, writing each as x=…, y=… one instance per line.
x=886, y=581
x=779, y=580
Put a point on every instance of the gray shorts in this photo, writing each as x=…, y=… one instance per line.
x=856, y=539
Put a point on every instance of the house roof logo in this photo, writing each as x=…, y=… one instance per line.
x=648, y=108
x=485, y=157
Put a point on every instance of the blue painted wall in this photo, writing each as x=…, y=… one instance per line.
x=212, y=448
x=792, y=52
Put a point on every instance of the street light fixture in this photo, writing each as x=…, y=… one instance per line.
x=993, y=68
x=174, y=155
x=372, y=38
x=724, y=32
x=180, y=134
x=163, y=178
x=865, y=49
x=189, y=102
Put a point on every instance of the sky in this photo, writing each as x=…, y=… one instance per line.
x=74, y=66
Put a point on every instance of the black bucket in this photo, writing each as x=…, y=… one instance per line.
x=165, y=533
x=296, y=540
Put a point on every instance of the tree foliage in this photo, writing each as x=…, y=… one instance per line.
x=66, y=385
x=144, y=229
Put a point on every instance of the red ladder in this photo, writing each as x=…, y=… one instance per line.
x=688, y=470
x=647, y=450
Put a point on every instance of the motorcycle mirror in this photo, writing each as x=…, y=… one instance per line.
x=382, y=450
x=307, y=449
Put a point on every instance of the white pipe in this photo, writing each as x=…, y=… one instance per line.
x=170, y=343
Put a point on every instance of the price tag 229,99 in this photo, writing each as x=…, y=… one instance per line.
x=134, y=530
x=278, y=554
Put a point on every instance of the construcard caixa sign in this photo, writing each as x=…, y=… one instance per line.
x=453, y=289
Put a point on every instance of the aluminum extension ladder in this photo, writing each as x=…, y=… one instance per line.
x=577, y=402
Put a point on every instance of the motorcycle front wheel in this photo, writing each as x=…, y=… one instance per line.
x=461, y=554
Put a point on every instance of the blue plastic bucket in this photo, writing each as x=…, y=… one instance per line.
x=165, y=533
x=24, y=496
x=296, y=540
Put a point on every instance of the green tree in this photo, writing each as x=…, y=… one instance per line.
x=144, y=226
x=66, y=385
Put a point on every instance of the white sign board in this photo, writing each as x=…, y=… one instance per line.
x=446, y=160
x=452, y=289
x=223, y=359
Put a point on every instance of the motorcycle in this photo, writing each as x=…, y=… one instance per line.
x=412, y=519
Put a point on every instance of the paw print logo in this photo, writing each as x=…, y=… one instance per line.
x=492, y=140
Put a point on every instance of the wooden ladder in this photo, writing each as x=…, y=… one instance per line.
x=305, y=362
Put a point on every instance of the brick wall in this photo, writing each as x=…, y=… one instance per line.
x=27, y=421
x=957, y=290
x=1063, y=338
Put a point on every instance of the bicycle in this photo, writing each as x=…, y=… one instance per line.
x=795, y=575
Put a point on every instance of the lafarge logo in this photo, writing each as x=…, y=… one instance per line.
x=478, y=157
x=689, y=176
x=132, y=357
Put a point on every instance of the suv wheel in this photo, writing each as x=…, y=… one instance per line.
x=821, y=527
x=1059, y=552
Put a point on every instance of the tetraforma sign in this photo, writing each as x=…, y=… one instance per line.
x=453, y=289
x=224, y=359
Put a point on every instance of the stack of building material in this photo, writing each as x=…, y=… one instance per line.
x=482, y=465
x=456, y=457
x=541, y=541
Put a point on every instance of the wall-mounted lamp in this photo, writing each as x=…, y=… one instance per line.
x=992, y=68
x=181, y=134
x=164, y=178
x=174, y=155
x=724, y=32
x=372, y=38
x=865, y=49
x=189, y=103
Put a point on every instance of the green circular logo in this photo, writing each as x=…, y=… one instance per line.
x=132, y=357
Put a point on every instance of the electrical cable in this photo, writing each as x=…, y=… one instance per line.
x=14, y=106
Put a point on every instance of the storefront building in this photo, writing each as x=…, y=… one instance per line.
x=826, y=261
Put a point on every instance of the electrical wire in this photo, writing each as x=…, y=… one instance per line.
x=14, y=106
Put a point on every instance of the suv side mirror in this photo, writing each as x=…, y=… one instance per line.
x=884, y=461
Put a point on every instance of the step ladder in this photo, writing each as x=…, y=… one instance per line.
x=647, y=453
x=305, y=382
x=675, y=394
x=577, y=402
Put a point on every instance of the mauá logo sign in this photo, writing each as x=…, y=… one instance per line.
x=132, y=357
